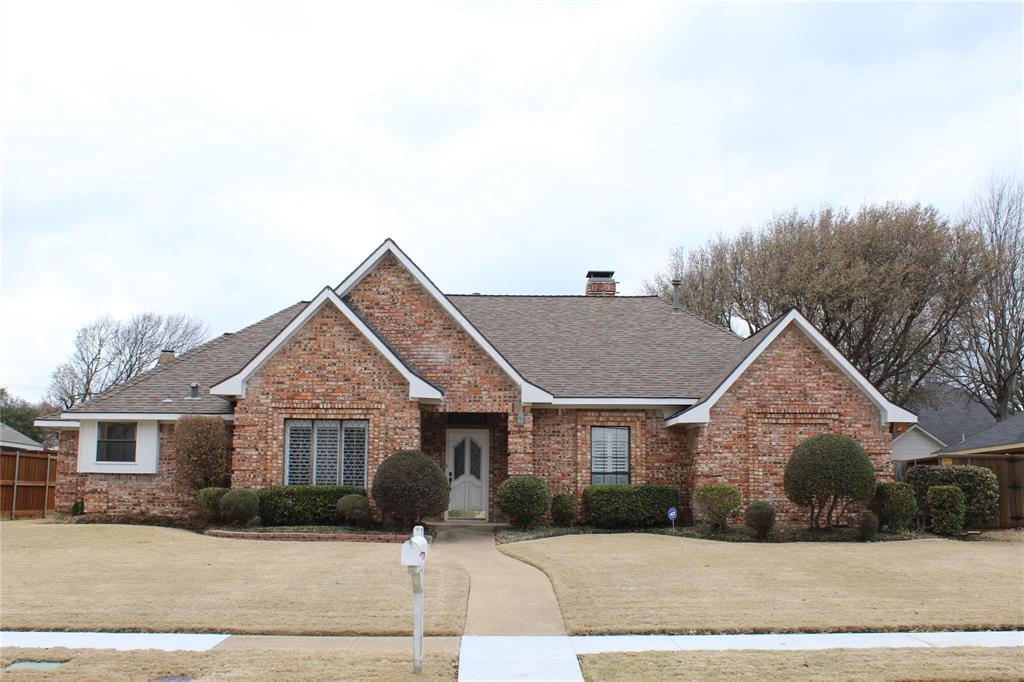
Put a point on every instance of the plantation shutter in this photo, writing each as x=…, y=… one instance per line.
x=354, y=446
x=609, y=454
x=299, y=451
x=328, y=451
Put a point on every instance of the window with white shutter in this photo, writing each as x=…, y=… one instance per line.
x=609, y=454
x=325, y=452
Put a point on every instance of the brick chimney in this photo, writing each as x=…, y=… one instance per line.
x=166, y=355
x=600, y=283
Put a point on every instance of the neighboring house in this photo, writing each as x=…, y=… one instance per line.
x=573, y=389
x=12, y=439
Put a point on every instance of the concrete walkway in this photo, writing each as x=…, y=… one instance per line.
x=506, y=596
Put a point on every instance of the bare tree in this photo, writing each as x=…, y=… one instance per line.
x=109, y=352
x=988, y=356
x=884, y=285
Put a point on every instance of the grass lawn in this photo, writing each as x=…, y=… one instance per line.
x=268, y=664
x=653, y=583
x=973, y=663
x=125, y=578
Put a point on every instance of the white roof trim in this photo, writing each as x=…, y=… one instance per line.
x=621, y=402
x=701, y=413
x=926, y=432
x=530, y=393
x=56, y=424
x=133, y=416
x=235, y=385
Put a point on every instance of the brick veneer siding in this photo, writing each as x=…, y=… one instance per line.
x=327, y=370
x=791, y=392
x=154, y=494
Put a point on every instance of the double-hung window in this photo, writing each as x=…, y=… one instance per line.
x=115, y=442
x=325, y=452
x=609, y=454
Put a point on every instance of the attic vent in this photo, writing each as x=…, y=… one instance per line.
x=193, y=391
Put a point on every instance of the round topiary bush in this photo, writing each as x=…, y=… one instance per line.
x=354, y=509
x=209, y=503
x=712, y=504
x=867, y=528
x=895, y=504
x=408, y=485
x=564, y=509
x=524, y=499
x=239, y=506
x=760, y=517
x=825, y=474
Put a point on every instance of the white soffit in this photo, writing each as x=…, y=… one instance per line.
x=529, y=392
x=235, y=385
x=701, y=413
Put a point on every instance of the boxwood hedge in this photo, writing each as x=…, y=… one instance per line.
x=302, y=505
x=979, y=485
x=620, y=505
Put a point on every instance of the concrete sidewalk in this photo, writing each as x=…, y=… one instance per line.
x=506, y=596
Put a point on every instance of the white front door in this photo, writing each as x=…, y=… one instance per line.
x=467, y=463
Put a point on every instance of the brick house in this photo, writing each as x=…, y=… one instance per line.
x=574, y=389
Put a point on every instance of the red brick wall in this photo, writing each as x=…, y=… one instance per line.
x=122, y=493
x=792, y=391
x=327, y=370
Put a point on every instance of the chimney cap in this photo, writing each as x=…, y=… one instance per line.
x=600, y=274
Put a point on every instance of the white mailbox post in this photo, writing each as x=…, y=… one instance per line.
x=414, y=557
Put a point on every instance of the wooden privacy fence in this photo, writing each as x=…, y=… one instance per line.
x=28, y=483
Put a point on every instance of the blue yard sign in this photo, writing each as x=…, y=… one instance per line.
x=672, y=514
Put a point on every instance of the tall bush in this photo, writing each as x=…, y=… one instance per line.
x=409, y=485
x=895, y=505
x=200, y=453
x=947, y=505
x=825, y=474
x=524, y=499
x=979, y=485
x=622, y=505
x=714, y=503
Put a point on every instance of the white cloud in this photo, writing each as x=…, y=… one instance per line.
x=226, y=159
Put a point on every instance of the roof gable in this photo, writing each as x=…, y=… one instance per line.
x=530, y=393
x=756, y=344
x=235, y=385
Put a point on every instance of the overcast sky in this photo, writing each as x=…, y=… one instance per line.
x=228, y=159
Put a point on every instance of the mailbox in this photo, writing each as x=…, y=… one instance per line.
x=414, y=550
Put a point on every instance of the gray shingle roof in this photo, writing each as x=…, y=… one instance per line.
x=12, y=436
x=949, y=413
x=1007, y=432
x=165, y=387
x=603, y=346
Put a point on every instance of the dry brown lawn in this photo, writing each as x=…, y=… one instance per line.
x=636, y=583
x=968, y=663
x=270, y=665
x=125, y=578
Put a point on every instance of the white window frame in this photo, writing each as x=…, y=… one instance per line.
x=342, y=424
x=629, y=454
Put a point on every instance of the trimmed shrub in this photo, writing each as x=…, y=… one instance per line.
x=947, y=504
x=239, y=506
x=979, y=485
x=209, y=503
x=302, y=505
x=867, y=527
x=895, y=505
x=409, y=485
x=621, y=505
x=825, y=474
x=354, y=509
x=524, y=499
x=200, y=453
x=714, y=503
x=564, y=509
x=78, y=507
x=760, y=517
